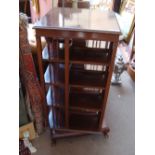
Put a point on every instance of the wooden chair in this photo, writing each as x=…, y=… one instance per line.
x=84, y=5
x=81, y=4
x=66, y=4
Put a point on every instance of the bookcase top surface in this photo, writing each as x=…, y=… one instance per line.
x=85, y=20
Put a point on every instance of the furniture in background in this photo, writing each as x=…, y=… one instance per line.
x=37, y=9
x=126, y=19
x=75, y=94
x=116, y=5
x=24, y=6
x=94, y=4
x=70, y=4
x=131, y=66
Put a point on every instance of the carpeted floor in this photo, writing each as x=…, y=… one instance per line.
x=120, y=118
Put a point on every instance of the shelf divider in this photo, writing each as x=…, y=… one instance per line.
x=66, y=83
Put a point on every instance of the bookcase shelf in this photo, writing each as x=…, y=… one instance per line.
x=87, y=55
x=54, y=75
x=78, y=121
x=84, y=122
x=55, y=96
x=78, y=55
x=84, y=101
x=47, y=55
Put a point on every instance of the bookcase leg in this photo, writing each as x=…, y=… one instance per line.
x=53, y=139
x=105, y=132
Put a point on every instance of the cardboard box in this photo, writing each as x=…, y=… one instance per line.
x=29, y=128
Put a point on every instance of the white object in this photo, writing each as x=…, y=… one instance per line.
x=27, y=142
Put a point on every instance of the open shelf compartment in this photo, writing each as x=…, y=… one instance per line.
x=56, y=118
x=55, y=74
x=55, y=97
x=81, y=77
x=86, y=99
x=83, y=55
x=78, y=55
x=53, y=53
x=84, y=122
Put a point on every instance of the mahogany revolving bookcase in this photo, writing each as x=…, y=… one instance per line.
x=75, y=68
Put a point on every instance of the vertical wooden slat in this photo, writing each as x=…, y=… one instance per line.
x=52, y=95
x=106, y=45
x=41, y=73
x=111, y=50
x=100, y=44
x=111, y=65
x=67, y=83
x=96, y=44
x=56, y=74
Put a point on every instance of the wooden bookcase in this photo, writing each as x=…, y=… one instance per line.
x=76, y=77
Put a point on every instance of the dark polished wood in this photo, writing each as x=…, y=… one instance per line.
x=108, y=83
x=77, y=20
x=76, y=94
x=67, y=83
x=80, y=55
x=87, y=79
